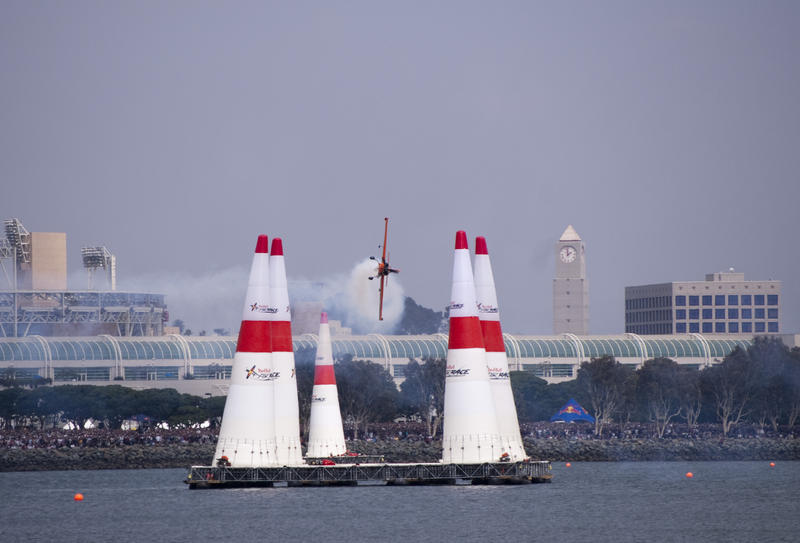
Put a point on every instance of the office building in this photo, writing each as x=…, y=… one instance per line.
x=725, y=303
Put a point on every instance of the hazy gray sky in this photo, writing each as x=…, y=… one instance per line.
x=668, y=134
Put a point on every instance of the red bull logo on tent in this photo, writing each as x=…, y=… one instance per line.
x=571, y=412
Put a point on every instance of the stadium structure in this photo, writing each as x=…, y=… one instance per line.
x=35, y=300
x=202, y=365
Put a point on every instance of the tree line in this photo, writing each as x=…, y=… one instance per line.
x=111, y=405
x=758, y=385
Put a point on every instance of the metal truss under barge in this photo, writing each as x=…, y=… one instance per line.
x=371, y=474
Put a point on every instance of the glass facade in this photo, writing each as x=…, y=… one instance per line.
x=151, y=373
x=651, y=315
x=212, y=371
x=649, y=302
x=70, y=375
x=550, y=356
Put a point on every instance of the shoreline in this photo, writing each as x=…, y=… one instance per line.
x=184, y=455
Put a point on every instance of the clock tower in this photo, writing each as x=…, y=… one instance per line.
x=570, y=287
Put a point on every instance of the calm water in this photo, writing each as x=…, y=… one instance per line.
x=644, y=501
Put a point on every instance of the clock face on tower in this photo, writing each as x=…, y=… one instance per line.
x=568, y=254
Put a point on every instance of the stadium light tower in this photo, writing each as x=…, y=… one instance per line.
x=17, y=248
x=20, y=239
x=8, y=252
x=95, y=258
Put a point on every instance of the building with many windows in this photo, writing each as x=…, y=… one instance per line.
x=725, y=303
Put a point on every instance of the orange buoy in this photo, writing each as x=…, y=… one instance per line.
x=78, y=497
x=568, y=465
x=690, y=474
x=772, y=464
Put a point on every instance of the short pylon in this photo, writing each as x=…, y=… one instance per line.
x=287, y=413
x=325, y=434
x=470, y=426
x=489, y=314
x=247, y=434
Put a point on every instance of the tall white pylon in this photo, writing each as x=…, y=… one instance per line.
x=470, y=426
x=287, y=413
x=325, y=434
x=496, y=359
x=247, y=434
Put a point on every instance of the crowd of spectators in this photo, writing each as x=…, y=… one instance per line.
x=637, y=430
x=53, y=438
x=389, y=431
x=29, y=438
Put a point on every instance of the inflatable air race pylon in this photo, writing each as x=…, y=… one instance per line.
x=489, y=314
x=287, y=413
x=325, y=434
x=470, y=432
x=247, y=434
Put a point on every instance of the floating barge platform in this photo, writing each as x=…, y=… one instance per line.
x=371, y=474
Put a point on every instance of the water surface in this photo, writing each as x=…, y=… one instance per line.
x=598, y=502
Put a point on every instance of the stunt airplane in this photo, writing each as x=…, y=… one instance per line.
x=383, y=269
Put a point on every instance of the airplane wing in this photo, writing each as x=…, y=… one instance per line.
x=385, y=234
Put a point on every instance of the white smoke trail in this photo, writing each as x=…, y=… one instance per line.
x=214, y=301
x=361, y=298
x=204, y=302
x=353, y=299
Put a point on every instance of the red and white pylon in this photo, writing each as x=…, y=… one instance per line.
x=287, y=413
x=325, y=434
x=247, y=433
x=470, y=426
x=489, y=314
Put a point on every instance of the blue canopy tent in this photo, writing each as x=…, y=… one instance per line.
x=571, y=412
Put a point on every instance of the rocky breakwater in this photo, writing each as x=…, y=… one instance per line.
x=174, y=455
x=615, y=450
x=183, y=455
x=607, y=450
